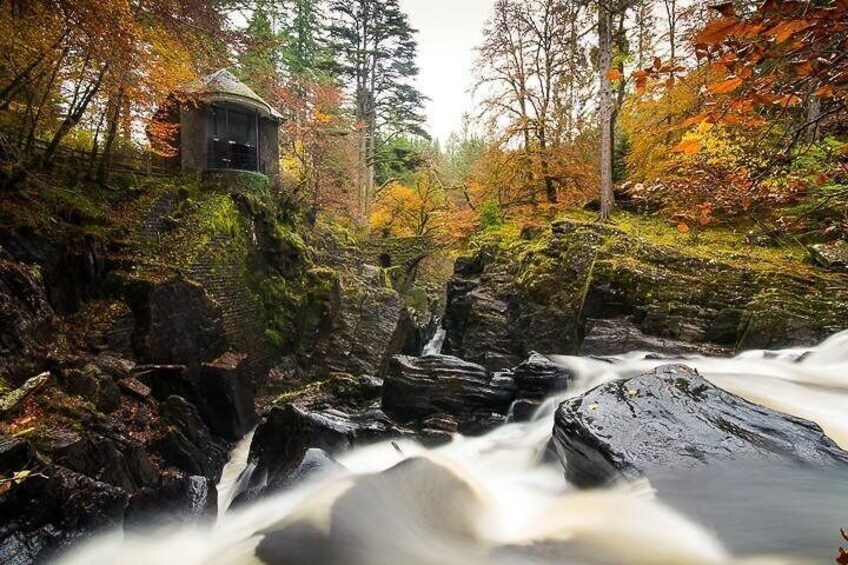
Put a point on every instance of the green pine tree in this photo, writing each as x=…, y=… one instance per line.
x=375, y=51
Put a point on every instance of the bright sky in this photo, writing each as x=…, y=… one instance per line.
x=448, y=31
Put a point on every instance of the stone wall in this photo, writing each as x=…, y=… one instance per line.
x=269, y=147
x=395, y=251
x=192, y=140
x=242, y=315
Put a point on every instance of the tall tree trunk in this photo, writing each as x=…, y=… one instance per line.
x=550, y=189
x=605, y=113
x=813, y=118
x=75, y=114
x=111, y=133
x=8, y=92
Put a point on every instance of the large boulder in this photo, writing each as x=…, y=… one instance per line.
x=369, y=324
x=222, y=390
x=50, y=509
x=225, y=396
x=331, y=416
x=176, y=321
x=672, y=418
x=417, y=389
x=187, y=443
x=538, y=377
x=288, y=432
x=477, y=321
x=176, y=499
x=622, y=335
x=582, y=279
x=124, y=464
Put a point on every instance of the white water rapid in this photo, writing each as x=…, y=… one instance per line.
x=493, y=499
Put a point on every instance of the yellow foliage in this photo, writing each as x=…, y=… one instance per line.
x=417, y=210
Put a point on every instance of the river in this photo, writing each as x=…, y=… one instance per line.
x=497, y=499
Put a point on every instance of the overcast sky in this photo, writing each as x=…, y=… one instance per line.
x=448, y=32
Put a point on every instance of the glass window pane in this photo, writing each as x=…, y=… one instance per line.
x=242, y=128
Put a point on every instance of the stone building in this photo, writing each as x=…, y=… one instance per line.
x=217, y=123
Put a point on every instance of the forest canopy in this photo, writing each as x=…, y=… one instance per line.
x=729, y=112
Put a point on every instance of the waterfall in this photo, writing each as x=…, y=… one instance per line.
x=434, y=346
x=498, y=499
x=236, y=474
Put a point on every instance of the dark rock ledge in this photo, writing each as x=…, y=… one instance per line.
x=672, y=418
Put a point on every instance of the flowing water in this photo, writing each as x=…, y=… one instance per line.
x=496, y=499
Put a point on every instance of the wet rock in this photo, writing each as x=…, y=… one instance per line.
x=516, y=296
x=13, y=400
x=135, y=387
x=188, y=444
x=225, y=396
x=671, y=418
x=539, y=377
x=315, y=463
x=621, y=335
x=416, y=389
x=177, y=499
x=478, y=325
x=776, y=318
x=370, y=324
x=831, y=255
x=437, y=430
x=523, y=410
x=15, y=455
x=50, y=509
x=126, y=466
x=288, y=431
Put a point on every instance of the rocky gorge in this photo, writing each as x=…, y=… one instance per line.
x=131, y=367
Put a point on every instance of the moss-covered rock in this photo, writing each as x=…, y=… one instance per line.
x=537, y=294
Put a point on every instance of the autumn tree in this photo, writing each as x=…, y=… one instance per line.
x=413, y=208
x=64, y=62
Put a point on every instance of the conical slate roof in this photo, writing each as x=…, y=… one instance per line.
x=222, y=85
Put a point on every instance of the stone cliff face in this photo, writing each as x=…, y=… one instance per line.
x=155, y=335
x=554, y=294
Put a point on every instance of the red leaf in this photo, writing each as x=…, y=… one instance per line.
x=803, y=69
x=613, y=74
x=687, y=147
x=726, y=86
x=786, y=29
x=717, y=31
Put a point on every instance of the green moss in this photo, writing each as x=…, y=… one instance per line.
x=723, y=243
